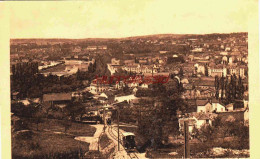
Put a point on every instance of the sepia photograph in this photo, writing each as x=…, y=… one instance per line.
x=130, y=79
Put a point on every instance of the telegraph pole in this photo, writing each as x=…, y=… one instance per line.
x=186, y=140
x=118, y=139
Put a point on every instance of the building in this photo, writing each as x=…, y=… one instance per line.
x=102, y=47
x=217, y=70
x=96, y=88
x=91, y=48
x=57, y=99
x=217, y=106
x=127, y=98
x=129, y=62
x=203, y=106
x=114, y=61
x=197, y=120
x=77, y=65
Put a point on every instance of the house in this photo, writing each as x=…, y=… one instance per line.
x=129, y=62
x=102, y=99
x=200, y=68
x=127, y=98
x=133, y=84
x=25, y=102
x=191, y=123
x=119, y=84
x=197, y=120
x=15, y=95
x=143, y=61
x=203, y=106
x=114, y=61
x=238, y=71
x=76, y=65
x=204, y=119
x=113, y=68
x=205, y=93
x=217, y=70
x=91, y=48
x=57, y=99
x=230, y=107
x=217, y=107
x=102, y=47
x=98, y=87
x=144, y=85
x=103, y=95
x=245, y=100
x=197, y=50
x=163, y=52
x=205, y=84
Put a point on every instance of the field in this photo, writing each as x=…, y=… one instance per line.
x=75, y=129
x=50, y=141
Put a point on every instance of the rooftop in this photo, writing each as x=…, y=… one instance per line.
x=201, y=102
x=56, y=97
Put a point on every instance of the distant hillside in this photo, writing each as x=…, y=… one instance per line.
x=145, y=37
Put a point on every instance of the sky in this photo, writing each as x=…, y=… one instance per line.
x=125, y=18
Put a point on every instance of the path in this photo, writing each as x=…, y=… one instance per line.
x=112, y=134
x=92, y=140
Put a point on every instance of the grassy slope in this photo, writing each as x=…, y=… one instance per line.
x=37, y=144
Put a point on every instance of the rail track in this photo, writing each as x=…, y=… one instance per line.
x=132, y=155
x=110, y=131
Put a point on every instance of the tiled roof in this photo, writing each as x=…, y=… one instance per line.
x=201, y=102
x=214, y=100
x=204, y=116
x=56, y=97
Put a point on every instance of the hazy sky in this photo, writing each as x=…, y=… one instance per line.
x=123, y=18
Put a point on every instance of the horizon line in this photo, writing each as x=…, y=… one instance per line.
x=127, y=36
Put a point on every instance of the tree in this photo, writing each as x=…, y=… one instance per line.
x=181, y=72
x=217, y=86
x=206, y=133
x=75, y=108
x=222, y=87
x=38, y=117
x=162, y=112
x=206, y=71
x=67, y=124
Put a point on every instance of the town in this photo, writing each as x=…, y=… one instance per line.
x=75, y=97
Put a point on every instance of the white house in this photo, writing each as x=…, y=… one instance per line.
x=203, y=106
x=144, y=85
x=127, y=98
x=197, y=120
x=216, y=106
x=230, y=107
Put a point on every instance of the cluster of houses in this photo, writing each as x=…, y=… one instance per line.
x=204, y=112
x=205, y=60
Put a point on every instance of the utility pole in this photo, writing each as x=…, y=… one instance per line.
x=118, y=139
x=104, y=116
x=186, y=140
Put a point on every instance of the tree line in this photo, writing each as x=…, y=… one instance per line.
x=229, y=89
